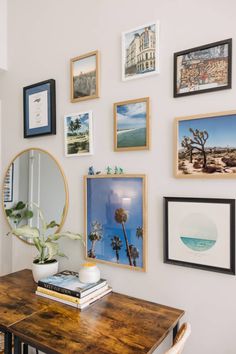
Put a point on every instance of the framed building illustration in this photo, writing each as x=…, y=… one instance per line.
x=140, y=51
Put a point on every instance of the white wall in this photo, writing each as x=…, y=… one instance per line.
x=3, y=35
x=43, y=36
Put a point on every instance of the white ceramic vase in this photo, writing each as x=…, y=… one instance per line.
x=89, y=273
x=41, y=271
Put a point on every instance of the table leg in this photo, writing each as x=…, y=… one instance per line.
x=175, y=331
x=7, y=343
x=25, y=348
x=17, y=345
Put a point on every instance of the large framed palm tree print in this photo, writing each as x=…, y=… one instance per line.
x=115, y=220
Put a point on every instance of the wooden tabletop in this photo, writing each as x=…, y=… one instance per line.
x=17, y=298
x=116, y=324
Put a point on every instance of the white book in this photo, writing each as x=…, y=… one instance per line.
x=78, y=306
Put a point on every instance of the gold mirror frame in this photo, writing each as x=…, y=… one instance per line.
x=65, y=210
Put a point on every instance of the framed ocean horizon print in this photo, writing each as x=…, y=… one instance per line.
x=205, y=146
x=115, y=220
x=40, y=109
x=140, y=51
x=78, y=136
x=132, y=125
x=200, y=233
x=85, y=77
x=203, y=69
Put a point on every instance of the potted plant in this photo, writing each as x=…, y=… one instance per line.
x=45, y=263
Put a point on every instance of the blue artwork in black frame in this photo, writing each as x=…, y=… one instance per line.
x=40, y=109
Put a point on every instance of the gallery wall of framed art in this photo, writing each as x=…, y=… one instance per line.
x=38, y=54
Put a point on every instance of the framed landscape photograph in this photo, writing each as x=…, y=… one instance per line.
x=115, y=220
x=140, y=51
x=205, y=146
x=85, y=77
x=200, y=233
x=78, y=134
x=203, y=69
x=131, y=125
x=40, y=109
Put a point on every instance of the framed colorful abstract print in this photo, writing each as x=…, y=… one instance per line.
x=203, y=69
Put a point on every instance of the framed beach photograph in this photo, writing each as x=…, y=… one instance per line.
x=140, y=51
x=132, y=125
x=85, y=77
x=78, y=134
x=200, y=233
x=115, y=220
x=40, y=109
x=203, y=69
x=205, y=146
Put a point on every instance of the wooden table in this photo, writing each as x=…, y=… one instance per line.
x=116, y=324
x=17, y=301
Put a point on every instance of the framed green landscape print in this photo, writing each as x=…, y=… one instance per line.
x=78, y=129
x=200, y=233
x=205, y=146
x=132, y=125
x=115, y=220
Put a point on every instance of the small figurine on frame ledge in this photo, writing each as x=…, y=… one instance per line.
x=109, y=171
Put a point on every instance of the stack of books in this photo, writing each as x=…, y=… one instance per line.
x=65, y=287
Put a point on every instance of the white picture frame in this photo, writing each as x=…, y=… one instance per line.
x=146, y=61
x=78, y=140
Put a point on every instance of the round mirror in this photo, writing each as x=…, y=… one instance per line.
x=35, y=183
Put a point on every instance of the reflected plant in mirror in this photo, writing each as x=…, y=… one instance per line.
x=34, y=178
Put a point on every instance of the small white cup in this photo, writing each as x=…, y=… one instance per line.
x=89, y=273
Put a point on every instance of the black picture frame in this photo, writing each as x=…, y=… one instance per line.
x=40, y=109
x=231, y=255
x=227, y=42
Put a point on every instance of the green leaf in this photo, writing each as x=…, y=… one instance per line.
x=52, y=224
x=8, y=212
x=17, y=216
x=28, y=214
x=19, y=206
x=26, y=231
x=53, y=249
x=70, y=235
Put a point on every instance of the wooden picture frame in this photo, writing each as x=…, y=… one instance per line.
x=216, y=157
x=200, y=233
x=78, y=134
x=193, y=76
x=109, y=226
x=85, y=76
x=40, y=109
x=128, y=135
x=140, y=51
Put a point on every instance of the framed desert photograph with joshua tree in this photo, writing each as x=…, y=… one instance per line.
x=115, y=220
x=205, y=145
x=131, y=125
x=85, y=77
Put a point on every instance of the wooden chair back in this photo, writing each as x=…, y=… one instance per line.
x=180, y=339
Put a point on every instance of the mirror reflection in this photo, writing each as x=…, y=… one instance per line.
x=33, y=183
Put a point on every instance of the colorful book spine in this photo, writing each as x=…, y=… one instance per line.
x=76, y=300
x=78, y=294
x=76, y=305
